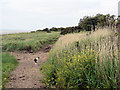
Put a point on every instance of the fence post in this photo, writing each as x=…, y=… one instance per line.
x=119, y=31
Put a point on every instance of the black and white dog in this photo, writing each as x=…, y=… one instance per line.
x=36, y=60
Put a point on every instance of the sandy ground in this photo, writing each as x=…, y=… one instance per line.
x=27, y=74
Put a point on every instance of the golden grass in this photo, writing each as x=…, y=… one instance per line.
x=103, y=41
x=68, y=40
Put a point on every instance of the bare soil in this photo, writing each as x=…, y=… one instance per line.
x=27, y=74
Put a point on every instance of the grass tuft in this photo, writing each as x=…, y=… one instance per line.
x=9, y=63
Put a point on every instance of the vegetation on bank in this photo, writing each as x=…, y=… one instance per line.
x=28, y=41
x=88, y=23
x=9, y=63
x=84, y=61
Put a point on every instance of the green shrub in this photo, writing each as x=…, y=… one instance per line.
x=70, y=70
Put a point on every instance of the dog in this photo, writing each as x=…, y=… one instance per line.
x=36, y=60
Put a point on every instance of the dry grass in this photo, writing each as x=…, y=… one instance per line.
x=99, y=47
x=103, y=41
x=68, y=40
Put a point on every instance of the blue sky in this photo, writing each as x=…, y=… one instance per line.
x=28, y=15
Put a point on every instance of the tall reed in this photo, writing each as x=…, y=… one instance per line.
x=82, y=60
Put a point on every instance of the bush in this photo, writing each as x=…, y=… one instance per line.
x=74, y=71
x=46, y=29
x=70, y=70
x=54, y=29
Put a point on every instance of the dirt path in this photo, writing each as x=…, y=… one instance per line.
x=27, y=74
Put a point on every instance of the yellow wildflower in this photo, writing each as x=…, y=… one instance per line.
x=5, y=78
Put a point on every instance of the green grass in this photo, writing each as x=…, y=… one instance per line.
x=9, y=63
x=84, y=61
x=22, y=41
x=28, y=41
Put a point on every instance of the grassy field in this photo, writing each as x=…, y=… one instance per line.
x=9, y=63
x=22, y=41
x=82, y=60
x=28, y=41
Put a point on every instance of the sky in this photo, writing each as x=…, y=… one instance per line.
x=30, y=15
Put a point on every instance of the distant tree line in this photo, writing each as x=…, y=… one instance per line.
x=88, y=23
x=92, y=23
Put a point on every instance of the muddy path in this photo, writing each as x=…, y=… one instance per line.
x=27, y=74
